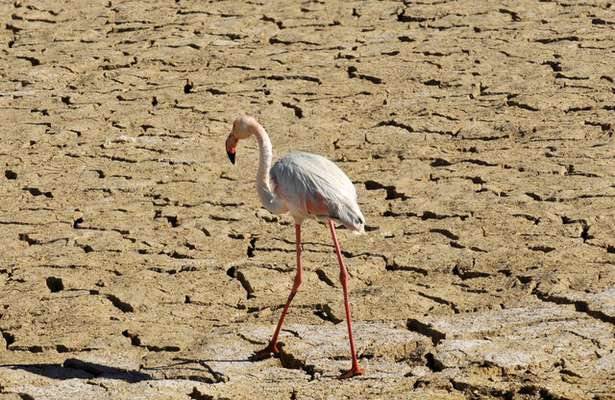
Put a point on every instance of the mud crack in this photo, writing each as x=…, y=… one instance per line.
x=579, y=305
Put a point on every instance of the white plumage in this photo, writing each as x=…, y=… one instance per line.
x=307, y=181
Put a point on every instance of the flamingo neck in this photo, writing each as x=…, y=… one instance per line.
x=263, y=183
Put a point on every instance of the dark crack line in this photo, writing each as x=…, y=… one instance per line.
x=325, y=312
x=438, y=300
x=579, y=305
x=235, y=273
x=289, y=361
x=297, y=110
x=417, y=326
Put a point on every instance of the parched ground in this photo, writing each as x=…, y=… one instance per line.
x=138, y=263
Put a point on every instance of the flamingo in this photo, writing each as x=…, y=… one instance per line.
x=304, y=185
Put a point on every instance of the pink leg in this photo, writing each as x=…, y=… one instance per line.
x=272, y=347
x=355, y=370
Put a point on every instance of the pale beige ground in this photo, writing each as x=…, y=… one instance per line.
x=138, y=263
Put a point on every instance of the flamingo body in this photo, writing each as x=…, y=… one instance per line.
x=312, y=186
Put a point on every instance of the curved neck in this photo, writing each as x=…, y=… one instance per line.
x=265, y=156
x=263, y=183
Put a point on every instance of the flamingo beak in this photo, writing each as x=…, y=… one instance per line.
x=231, y=155
x=231, y=147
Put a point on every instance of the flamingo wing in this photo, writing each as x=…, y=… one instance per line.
x=311, y=185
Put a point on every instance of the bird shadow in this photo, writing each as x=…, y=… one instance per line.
x=73, y=368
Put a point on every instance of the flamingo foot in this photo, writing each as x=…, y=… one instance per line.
x=272, y=350
x=354, y=371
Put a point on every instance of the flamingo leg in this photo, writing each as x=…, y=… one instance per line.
x=356, y=369
x=272, y=347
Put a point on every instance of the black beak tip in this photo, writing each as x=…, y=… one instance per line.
x=231, y=156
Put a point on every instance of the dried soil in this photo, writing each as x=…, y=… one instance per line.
x=138, y=263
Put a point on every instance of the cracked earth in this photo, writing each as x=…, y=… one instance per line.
x=138, y=263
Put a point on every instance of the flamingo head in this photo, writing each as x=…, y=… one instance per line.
x=243, y=128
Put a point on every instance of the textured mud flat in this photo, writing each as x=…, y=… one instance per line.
x=138, y=263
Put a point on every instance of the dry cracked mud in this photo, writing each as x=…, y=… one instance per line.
x=138, y=263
